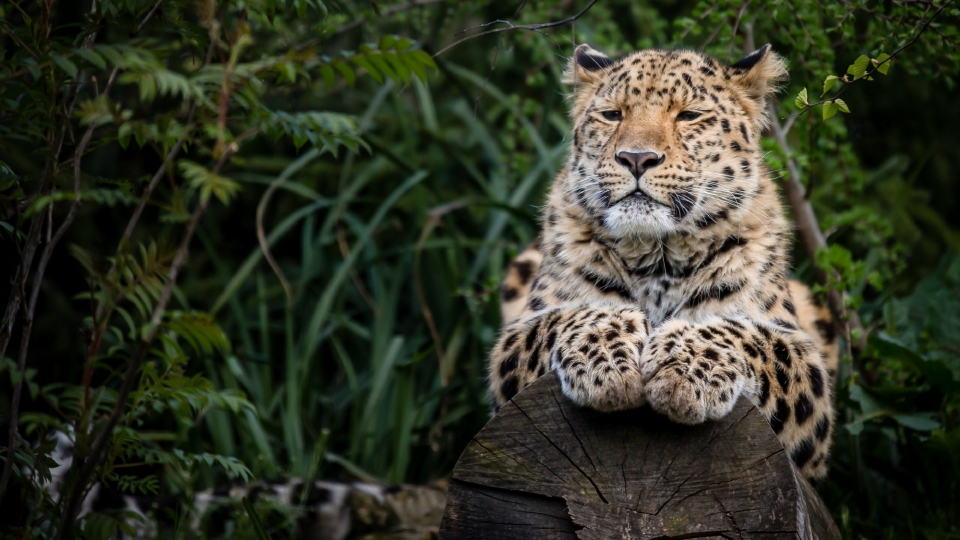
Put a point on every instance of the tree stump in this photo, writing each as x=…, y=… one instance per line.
x=545, y=468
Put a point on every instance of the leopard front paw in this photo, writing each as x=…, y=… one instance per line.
x=689, y=378
x=598, y=362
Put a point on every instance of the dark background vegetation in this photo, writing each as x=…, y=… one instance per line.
x=374, y=367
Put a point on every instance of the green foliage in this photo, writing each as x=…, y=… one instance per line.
x=391, y=193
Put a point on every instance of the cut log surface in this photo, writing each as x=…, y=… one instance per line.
x=546, y=468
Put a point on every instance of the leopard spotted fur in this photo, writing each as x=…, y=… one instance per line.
x=660, y=276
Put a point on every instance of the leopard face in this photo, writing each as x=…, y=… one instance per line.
x=665, y=140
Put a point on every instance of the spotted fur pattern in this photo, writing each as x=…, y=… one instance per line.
x=661, y=273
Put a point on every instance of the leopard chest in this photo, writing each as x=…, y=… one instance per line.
x=689, y=300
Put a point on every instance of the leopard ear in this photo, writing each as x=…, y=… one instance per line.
x=759, y=74
x=586, y=66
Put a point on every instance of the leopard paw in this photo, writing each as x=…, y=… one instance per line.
x=598, y=362
x=688, y=378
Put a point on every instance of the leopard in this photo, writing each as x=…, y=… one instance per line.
x=660, y=276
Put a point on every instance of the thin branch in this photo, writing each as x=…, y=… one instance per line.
x=533, y=27
x=13, y=34
x=811, y=237
x=148, y=17
x=432, y=221
x=354, y=276
x=32, y=306
x=14, y=307
x=262, y=237
x=88, y=465
x=876, y=67
x=706, y=13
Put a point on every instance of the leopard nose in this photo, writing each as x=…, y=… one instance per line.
x=639, y=162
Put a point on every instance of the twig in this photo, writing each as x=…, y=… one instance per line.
x=354, y=276
x=432, y=221
x=88, y=465
x=148, y=17
x=32, y=306
x=736, y=25
x=706, y=13
x=94, y=345
x=533, y=27
x=262, y=236
x=23, y=272
x=13, y=34
x=876, y=67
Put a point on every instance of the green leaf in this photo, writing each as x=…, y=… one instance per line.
x=801, y=100
x=415, y=66
x=883, y=66
x=365, y=64
x=67, y=66
x=935, y=371
x=423, y=59
x=387, y=42
x=379, y=61
x=327, y=73
x=92, y=57
x=398, y=65
x=829, y=109
x=347, y=72
x=828, y=83
x=859, y=67
x=207, y=182
x=918, y=421
x=842, y=105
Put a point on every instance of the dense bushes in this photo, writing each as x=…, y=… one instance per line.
x=391, y=192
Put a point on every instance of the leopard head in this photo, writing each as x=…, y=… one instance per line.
x=666, y=139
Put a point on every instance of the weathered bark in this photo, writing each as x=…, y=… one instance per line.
x=545, y=468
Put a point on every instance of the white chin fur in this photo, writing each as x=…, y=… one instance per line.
x=631, y=220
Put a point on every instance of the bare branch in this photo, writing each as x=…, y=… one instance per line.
x=532, y=27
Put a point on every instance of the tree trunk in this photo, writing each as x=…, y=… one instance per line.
x=545, y=468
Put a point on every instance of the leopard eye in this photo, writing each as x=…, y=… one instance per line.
x=613, y=116
x=687, y=116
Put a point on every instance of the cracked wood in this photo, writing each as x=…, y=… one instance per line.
x=545, y=468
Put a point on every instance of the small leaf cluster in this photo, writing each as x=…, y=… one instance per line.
x=856, y=71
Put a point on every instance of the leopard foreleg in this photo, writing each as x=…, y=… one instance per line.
x=594, y=348
x=696, y=372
